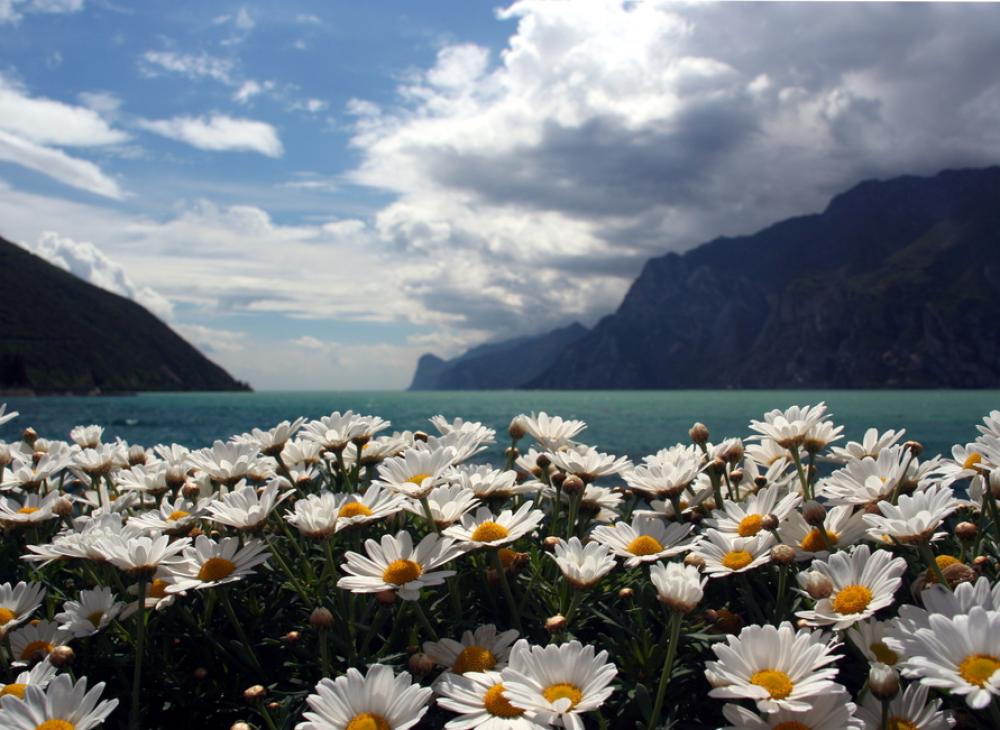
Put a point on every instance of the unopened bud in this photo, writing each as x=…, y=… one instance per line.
x=813, y=513
x=980, y=562
x=995, y=483
x=420, y=436
x=550, y=542
x=321, y=619
x=782, y=555
x=200, y=673
x=292, y=637
x=240, y=726
x=728, y=622
x=694, y=560
x=760, y=482
x=517, y=430
x=62, y=507
x=914, y=447
x=966, y=531
x=386, y=597
x=543, y=461
x=61, y=657
x=699, y=434
x=957, y=573
x=883, y=681
x=736, y=476
x=556, y=479
x=626, y=594
x=255, y=693
x=29, y=436
x=573, y=484
x=556, y=624
x=769, y=522
x=5, y=456
x=273, y=706
x=421, y=664
x=816, y=584
x=801, y=624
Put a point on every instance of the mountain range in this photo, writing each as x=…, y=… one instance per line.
x=60, y=334
x=895, y=285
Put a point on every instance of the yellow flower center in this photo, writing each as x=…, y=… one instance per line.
x=354, y=509
x=750, y=525
x=563, y=691
x=95, y=618
x=401, y=572
x=972, y=459
x=644, y=545
x=13, y=689
x=507, y=557
x=368, y=721
x=900, y=723
x=489, y=531
x=34, y=647
x=813, y=542
x=775, y=681
x=56, y=725
x=943, y=561
x=6, y=615
x=418, y=479
x=737, y=559
x=474, y=659
x=158, y=588
x=216, y=569
x=177, y=514
x=498, y=705
x=791, y=725
x=852, y=599
x=883, y=653
x=27, y=510
x=978, y=668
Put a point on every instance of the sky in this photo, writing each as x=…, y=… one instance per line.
x=316, y=193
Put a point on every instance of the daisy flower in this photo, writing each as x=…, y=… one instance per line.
x=484, y=529
x=746, y=518
x=725, y=554
x=960, y=654
x=34, y=510
x=478, y=697
x=141, y=555
x=335, y=431
x=645, y=540
x=938, y=599
x=93, y=612
x=39, y=675
x=662, y=480
x=376, y=503
x=18, y=602
x=588, y=463
x=582, y=566
x=379, y=700
x=551, y=432
x=4, y=417
x=416, y=472
x=463, y=444
x=908, y=709
x=485, y=482
x=915, y=518
x=272, y=441
x=245, y=508
x=208, y=563
x=87, y=437
x=156, y=596
x=679, y=587
x=60, y=705
x=174, y=517
x=447, y=504
x=788, y=428
x=558, y=683
x=779, y=668
x=830, y=711
x=315, y=516
x=872, y=638
x=35, y=640
x=394, y=564
x=478, y=651
x=226, y=463
x=863, y=583
x=145, y=479
x=842, y=525
x=482, y=433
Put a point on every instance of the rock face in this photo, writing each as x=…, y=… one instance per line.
x=895, y=284
x=499, y=365
x=63, y=335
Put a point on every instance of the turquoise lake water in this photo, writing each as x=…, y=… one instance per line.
x=621, y=422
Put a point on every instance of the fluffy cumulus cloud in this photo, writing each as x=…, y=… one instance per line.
x=531, y=185
x=89, y=263
x=218, y=132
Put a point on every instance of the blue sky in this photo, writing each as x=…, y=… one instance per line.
x=315, y=193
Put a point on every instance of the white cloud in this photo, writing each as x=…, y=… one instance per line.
x=243, y=21
x=213, y=340
x=89, y=263
x=247, y=91
x=12, y=11
x=56, y=164
x=313, y=106
x=46, y=121
x=103, y=102
x=219, y=132
x=190, y=65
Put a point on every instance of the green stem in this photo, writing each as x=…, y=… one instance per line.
x=668, y=664
x=574, y=603
x=515, y=618
x=928, y=556
x=798, y=470
x=574, y=506
x=779, y=603
x=267, y=717
x=429, y=515
x=140, y=639
x=299, y=588
x=324, y=652
x=994, y=512
x=995, y=714
x=228, y=605
x=424, y=621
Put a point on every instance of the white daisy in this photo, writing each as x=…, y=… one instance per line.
x=645, y=540
x=870, y=445
x=335, y=431
x=448, y=503
x=485, y=482
x=481, y=432
x=272, y=441
x=94, y=611
x=915, y=519
x=478, y=697
x=938, y=599
x=842, y=525
x=583, y=566
x=59, y=705
x=779, y=668
x=140, y=555
x=145, y=479
x=588, y=463
x=416, y=472
x=867, y=480
x=34, y=510
x=315, y=516
x=863, y=583
x=394, y=564
x=484, y=529
x=724, y=554
x=746, y=518
x=87, y=437
x=873, y=639
x=174, y=517
x=909, y=709
x=376, y=503
x=830, y=711
x=551, y=432
x=379, y=700
x=679, y=587
x=34, y=641
x=208, y=563
x=226, y=463
x=478, y=651
x=245, y=508
x=39, y=675
x=557, y=684
x=18, y=602
x=788, y=428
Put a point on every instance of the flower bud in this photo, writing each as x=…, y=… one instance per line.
x=782, y=555
x=29, y=436
x=626, y=594
x=556, y=624
x=254, y=693
x=914, y=447
x=274, y=706
x=958, y=573
x=136, y=455
x=292, y=637
x=980, y=562
x=769, y=522
x=573, y=484
x=816, y=584
x=386, y=597
x=760, y=482
x=813, y=513
x=694, y=560
x=175, y=476
x=420, y=436
x=321, y=619
x=61, y=657
x=550, y=542
x=995, y=483
x=5, y=457
x=883, y=681
x=556, y=479
x=62, y=507
x=966, y=531
x=728, y=622
x=421, y=664
x=517, y=430
x=543, y=461
x=699, y=434
x=240, y=726
x=200, y=673
x=736, y=476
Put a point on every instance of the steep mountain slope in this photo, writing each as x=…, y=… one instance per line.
x=59, y=334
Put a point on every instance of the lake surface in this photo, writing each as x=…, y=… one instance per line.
x=621, y=422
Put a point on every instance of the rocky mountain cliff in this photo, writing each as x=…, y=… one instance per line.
x=895, y=284
x=60, y=334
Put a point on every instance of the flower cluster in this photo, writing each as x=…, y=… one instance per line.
x=336, y=575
